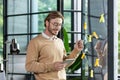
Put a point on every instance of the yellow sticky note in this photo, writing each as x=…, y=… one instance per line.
x=95, y=35
x=83, y=56
x=91, y=73
x=102, y=19
x=89, y=38
x=85, y=26
x=96, y=63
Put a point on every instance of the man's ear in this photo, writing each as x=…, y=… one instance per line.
x=47, y=23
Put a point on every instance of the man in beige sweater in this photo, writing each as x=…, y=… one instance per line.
x=46, y=52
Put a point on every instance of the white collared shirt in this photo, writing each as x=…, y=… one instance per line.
x=50, y=38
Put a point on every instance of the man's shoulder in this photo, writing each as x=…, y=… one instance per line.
x=35, y=38
x=59, y=39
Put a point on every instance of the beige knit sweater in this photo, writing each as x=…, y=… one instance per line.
x=42, y=53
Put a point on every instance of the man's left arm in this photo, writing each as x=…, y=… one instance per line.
x=77, y=48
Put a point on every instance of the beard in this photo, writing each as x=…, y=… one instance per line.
x=53, y=31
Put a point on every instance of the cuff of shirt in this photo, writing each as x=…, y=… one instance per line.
x=50, y=67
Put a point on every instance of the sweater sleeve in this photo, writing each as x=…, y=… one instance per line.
x=32, y=64
x=73, y=55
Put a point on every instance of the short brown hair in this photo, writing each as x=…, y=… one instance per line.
x=53, y=15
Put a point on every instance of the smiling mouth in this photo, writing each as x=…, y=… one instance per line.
x=55, y=30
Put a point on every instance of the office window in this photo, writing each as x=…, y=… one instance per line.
x=1, y=32
x=25, y=20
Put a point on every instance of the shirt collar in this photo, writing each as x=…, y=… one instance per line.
x=50, y=38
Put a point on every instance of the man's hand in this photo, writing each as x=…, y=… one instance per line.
x=59, y=66
x=79, y=45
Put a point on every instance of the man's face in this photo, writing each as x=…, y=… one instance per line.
x=54, y=26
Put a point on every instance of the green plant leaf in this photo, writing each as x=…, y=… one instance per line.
x=65, y=39
x=76, y=65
